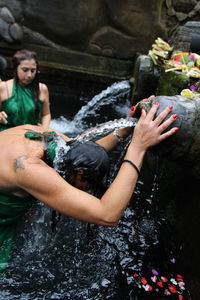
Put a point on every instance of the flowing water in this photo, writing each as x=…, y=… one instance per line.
x=56, y=257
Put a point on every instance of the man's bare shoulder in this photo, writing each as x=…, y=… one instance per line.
x=24, y=162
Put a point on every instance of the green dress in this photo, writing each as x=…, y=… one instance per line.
x=12, y=209
x=20, y=108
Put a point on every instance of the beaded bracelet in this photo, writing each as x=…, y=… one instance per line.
x=133, y=165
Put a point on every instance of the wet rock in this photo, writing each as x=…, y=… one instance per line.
x=184, y=146
x=6, y=15
x=10, y=30
x=146, y=77
x=4, y=31
x=15, y=32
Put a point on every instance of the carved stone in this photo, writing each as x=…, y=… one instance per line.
x=101, y=28
x=184, y=146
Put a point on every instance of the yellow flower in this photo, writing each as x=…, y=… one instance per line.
x=189, y=94
x=186, y=93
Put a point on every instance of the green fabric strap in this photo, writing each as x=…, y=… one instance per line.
x=48, y=137
x=12, y=209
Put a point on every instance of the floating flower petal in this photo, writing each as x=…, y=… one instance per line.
x=154, y=272
x=164, y=279
x=143, y=280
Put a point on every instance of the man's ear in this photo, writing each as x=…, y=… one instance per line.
x=80, y=172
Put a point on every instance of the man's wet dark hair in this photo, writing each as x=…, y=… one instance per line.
x=89, y=157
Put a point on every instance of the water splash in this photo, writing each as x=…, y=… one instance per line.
x=116, y=95
x=65, y=126
x=105, y=128
x=108, y=96
x=60, y=148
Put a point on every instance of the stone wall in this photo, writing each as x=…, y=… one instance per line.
x=98, y=34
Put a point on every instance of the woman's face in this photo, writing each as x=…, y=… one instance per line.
x=26, y=71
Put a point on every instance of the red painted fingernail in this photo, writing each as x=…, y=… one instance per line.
x=170, y=107
x=175, y=116
x=176, y=129
x=132, y=108
x=156, y=103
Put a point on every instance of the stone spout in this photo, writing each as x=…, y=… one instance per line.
x=184, y=146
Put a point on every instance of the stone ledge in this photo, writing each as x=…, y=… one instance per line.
x=66, y=61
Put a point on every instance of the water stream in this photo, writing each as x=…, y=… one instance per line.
x=78, y=261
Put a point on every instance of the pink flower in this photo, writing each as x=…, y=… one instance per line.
x=147, y=288
x=154, y=278
x=179, y=277
x=164, y=279
x=181, y=284
x=167, y=293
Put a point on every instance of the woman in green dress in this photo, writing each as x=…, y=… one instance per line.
x=23, y=99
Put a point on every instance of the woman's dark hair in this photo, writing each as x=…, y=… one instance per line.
x=89, y=157
x=17, y=58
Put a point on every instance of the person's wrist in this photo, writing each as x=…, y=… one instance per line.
x=124, y=132
x=136, y=155
x=137, y=147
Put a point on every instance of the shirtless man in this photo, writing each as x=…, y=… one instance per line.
x=27, y=172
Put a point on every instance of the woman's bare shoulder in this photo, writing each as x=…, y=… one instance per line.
x=6, y=84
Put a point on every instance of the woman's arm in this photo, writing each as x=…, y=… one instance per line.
x=44, y=96
x=46, y=185
x=110, y=141
x=147, y=133
x=3, y=92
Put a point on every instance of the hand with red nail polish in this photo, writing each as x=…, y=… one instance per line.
x=175, y=116
x=131, y=112
x=151, y=128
